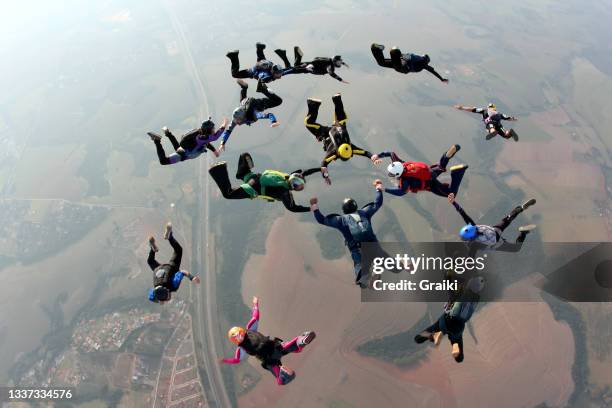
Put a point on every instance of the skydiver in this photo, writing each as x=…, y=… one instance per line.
x=452, y=321
x=491, y=236
x=167, y=277
x=264, y=70
x=192, y=144
x=269, y=351
x=251, y=109
x=270, y=185
x=336, y=140
x=318, y=66
x=404, y=63
x=492, y=120
x=356, y=228
x=417, y=176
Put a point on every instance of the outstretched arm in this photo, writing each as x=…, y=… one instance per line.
x=291, y=205
x=372, y=208
x=227, y=132
x=333, y=74
x=394, y=157
x=472, y=109
x=360, y=152
x=466, y=218
x=239, y=355
x=433, y=71
x=267, y=115
x=312, y=171
x=254, y=322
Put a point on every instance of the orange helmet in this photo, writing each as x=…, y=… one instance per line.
x=236, y=335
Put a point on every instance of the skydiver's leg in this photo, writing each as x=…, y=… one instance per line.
x=311, y=118
x=357, y=267
x=283, y=55
x=236, y=71
x=297, y=55
x=177, y=256
x=340, y=115
x=219, y=174
x=153, y=264
x=260, y=51
x=243, y=89
x=439, y=189
x=427, y=334
x=377, y=51
x=272, y=100
x=456, y=177
x=282, y=374
x=492, y=131
x=396, y=59
x=161, y=155
x=449, y=154
x=456, y=341
x=172, y=139
x=245, y=164
x=505, y=222
x=298, y=343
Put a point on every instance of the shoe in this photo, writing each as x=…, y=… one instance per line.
x=436, y=338
x=154, y=137
x=423, y=337
x=218, y=164
x=280, y=52
x=243, y=84
x=514, y=135
x=336, y=96
x=260, y=46
x=456, y=351
x=528, y=204
x=527, y=228
x=458, y=167
x=168, y=230
x=286, y=375
x=249, y=160
x=452, y=151
x=152, y=244
x=232, y=54
x=313, y=102
x=378, y=46
x=490, y=136
x=306, y=338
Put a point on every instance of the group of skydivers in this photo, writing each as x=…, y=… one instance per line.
x=355, y=224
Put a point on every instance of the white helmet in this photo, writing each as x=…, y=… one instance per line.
x=395, y=169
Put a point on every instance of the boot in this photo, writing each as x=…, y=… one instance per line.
x=152, y=244
x=260, y=46
x=218, y=172
x=378, y=46
x=524, y=230
x=423, y=337
x=286, y=375
x=306, y=338
x=490, y=136
x=456, y=351
x=154, y=137
x=168, y=231
x=313, y=102
x=283, y=56
x=452, y=151
x=528, y=203
x=437, y=337
x=232, y=55
x=458, y=167
x=297, y=55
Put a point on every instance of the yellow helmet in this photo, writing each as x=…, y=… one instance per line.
x=236, y=335
x=345, y=151
x=492, y=106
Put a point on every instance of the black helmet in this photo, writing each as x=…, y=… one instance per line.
x=276, y=68
x=208, y=126
x=337, y=61
x=349, y=206
x=426, y=58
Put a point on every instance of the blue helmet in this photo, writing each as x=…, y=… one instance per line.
x=159, y=294
x=468, y=232
x=152, y=295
